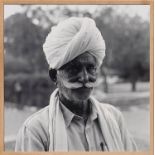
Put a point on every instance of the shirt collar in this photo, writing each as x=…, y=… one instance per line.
x=68, y=115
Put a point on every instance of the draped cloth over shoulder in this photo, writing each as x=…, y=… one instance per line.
x=71, y=38
x=111, y=122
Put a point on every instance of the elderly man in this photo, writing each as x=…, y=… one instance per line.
x=74, y=120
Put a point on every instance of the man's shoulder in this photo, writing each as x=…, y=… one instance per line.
x=109, y=110
x=38, y=120
x=109, y=107
x=35, y=130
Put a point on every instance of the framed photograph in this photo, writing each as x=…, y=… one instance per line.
x=76, y=77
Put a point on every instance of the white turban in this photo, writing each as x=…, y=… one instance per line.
x=71, y=38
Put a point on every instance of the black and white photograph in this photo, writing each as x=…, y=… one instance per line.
x=76, y=78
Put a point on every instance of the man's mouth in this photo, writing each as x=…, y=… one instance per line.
x=84, y=87
x=82, y=90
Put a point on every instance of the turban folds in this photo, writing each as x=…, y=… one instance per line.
x=73, y=37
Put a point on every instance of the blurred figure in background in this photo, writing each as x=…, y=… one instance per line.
x=18, y=92
x=75, y=120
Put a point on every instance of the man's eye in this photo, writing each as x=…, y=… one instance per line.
x=73, y=70
x=91, y=69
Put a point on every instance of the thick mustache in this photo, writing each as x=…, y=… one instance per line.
x=75, y=85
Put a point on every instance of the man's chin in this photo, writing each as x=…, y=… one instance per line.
x=82, y=93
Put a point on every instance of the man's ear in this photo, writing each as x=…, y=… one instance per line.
x=53, y=75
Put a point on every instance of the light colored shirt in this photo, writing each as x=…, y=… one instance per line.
x=34, y=135
x=83, y=136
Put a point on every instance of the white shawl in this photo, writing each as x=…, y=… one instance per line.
x=111, y=123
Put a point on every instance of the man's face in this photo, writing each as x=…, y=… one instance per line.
x=76, y=79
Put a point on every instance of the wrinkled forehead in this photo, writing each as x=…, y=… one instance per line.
x=83, y=59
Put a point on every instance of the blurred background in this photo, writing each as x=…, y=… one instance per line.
x=123, y=79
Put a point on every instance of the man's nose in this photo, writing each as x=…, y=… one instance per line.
x=84, y=77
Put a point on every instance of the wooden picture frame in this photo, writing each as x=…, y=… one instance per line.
x=70, y=2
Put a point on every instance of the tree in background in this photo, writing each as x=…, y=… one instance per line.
x=23, y=45
x=130, y=55
x=127, y=45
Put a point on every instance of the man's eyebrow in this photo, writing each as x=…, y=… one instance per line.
x=70, y=65
x=74, y=63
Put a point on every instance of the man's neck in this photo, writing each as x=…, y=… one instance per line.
x=81, y=108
